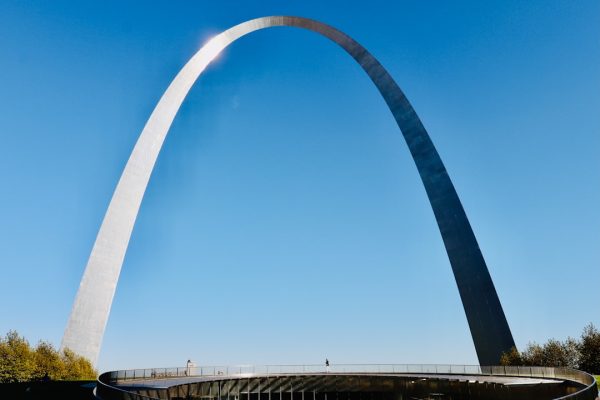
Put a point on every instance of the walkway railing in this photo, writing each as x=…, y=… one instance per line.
x=250, y=370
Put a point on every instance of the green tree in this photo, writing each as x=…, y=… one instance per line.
x=533, y=355
x=560, y=354
x=47, y=362
x=16, y=358
x=583, y=354
x=76, y=367
x=553, y=353
x=20, y=363
x=572, y=353
x=512, y=357
x=589, y=348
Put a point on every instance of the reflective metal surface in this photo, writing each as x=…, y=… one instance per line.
x=490, y=331
x=348, y=382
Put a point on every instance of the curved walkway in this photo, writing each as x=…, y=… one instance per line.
x=351, y=382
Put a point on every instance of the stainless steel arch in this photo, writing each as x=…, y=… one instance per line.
x=85, y=329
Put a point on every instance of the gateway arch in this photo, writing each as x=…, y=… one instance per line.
x=487, y=322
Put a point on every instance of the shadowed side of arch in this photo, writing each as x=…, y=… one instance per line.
x=85, y=329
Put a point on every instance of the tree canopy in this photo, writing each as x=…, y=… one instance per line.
x=19, y=362
x=583, y=354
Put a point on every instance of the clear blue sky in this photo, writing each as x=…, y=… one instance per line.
x=285, y=221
